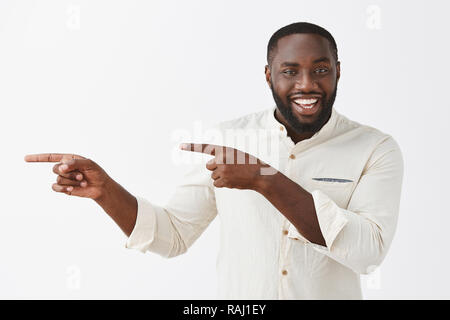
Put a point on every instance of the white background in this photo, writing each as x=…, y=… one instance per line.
x=113, y=80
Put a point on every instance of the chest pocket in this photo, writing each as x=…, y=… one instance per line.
x=337, y=189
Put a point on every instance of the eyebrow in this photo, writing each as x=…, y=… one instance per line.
x=295, y=64
x=321, y=59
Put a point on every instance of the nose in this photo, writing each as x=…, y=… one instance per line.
x=305, y=82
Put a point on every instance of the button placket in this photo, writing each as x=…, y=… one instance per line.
x=286, y=244
x=284, y=258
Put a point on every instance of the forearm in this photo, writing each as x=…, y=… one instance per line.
x=295, y=203
x=120, y=205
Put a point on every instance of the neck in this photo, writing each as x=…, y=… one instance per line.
x=295, y=137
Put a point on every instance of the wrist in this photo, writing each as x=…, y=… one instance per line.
x=265, y=180
x=119, y=204
x=106, y=192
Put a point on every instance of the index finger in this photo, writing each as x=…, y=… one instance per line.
x=51, y=157
x=201, y=147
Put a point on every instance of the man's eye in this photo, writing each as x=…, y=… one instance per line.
x=290, y=72
x=321, y=70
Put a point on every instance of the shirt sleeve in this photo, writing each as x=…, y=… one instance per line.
x=360, y=235
x=170, y=230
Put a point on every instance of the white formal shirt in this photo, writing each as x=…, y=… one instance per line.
x=354, y=173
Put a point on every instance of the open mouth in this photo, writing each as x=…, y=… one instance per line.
x=305, y=106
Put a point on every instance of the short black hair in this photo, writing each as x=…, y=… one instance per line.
x=299, y=27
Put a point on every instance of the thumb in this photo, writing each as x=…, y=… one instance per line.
x=75, y=164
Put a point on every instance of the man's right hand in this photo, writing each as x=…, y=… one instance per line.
x=76, y=175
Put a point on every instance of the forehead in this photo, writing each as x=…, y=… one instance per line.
x=302, y=47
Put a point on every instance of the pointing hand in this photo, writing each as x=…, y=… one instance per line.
x=76, y=175
x=232, y=168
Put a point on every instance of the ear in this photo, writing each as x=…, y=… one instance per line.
x=338, y=70
x=268, y=75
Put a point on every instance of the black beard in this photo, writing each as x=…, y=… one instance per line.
x=293, y=121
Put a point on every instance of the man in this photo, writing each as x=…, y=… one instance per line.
x=304, y=230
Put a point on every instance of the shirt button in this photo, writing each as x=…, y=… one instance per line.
x=285, y=232
x=284, y=272
x=281, y=128
x=292, y=156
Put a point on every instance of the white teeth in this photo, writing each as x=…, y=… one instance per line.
x=305, y=103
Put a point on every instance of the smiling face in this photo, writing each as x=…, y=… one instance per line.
x=303, y=77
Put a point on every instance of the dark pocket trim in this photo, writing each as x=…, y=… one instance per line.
x=332, y=180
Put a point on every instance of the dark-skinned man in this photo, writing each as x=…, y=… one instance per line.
x=304, y=229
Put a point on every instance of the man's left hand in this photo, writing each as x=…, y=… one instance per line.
x=232, y=168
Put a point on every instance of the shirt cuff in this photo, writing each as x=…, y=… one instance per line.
x=144, y=230
x=331, y=221
x=330, y=216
